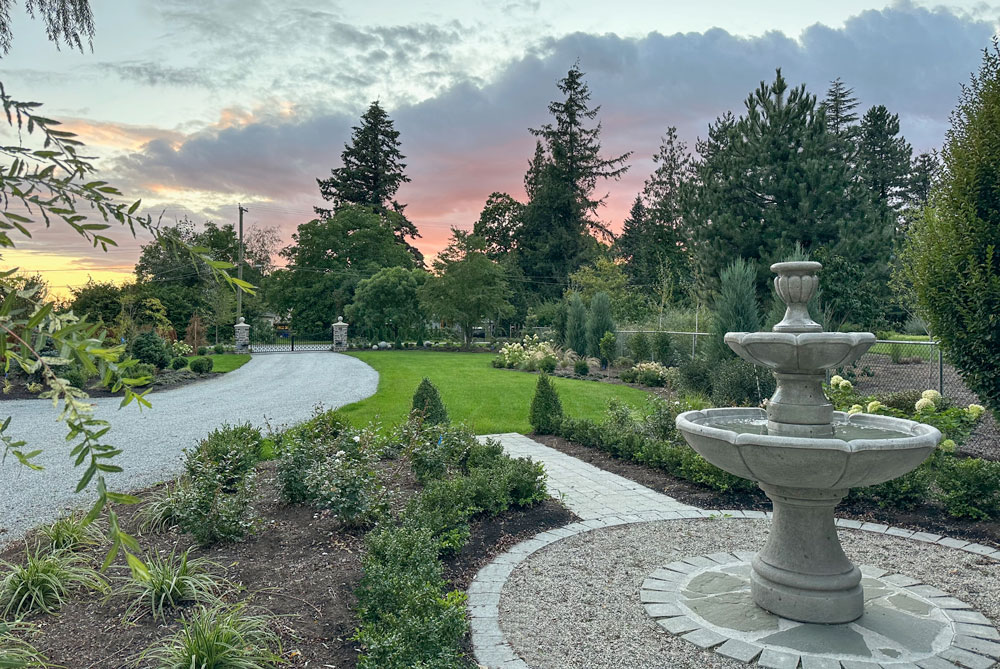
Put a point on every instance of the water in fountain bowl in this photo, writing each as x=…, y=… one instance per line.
x=845, y=431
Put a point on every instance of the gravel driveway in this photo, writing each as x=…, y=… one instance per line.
x=278, y=389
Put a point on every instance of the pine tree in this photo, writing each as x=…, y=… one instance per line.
x=924, y=171
x=427, y=404
x=664, y=238
x=600, y=322
x=883, y=158
x=773, y=178
x=576, y=325
x=372, y=172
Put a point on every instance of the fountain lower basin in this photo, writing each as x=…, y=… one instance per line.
x=802, y=572
x=865, y=449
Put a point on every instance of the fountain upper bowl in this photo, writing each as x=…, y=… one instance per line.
x=895, y=446
x=800, y=352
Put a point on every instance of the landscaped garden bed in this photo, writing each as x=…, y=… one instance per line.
x=322, y=546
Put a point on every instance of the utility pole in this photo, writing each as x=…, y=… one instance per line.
x=239, y=268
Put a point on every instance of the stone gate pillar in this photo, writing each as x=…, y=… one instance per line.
x=339, y=334
x=242, y=336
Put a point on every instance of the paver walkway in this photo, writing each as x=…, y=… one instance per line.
x=588, y=491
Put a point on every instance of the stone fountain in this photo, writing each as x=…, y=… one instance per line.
x=805, y=456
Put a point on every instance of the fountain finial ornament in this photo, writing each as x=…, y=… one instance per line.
x=805, y=456
x=796, y=284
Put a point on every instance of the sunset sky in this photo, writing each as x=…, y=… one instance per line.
x=196, y=106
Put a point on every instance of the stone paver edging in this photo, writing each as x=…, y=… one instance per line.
x=592, y=491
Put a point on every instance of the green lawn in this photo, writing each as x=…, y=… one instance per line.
x=488, y=400
x=226, y=362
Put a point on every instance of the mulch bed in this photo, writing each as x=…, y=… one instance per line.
x=165, y=380
x=301, y=566
x=927, y=518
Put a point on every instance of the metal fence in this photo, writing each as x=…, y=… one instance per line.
x=888, y=366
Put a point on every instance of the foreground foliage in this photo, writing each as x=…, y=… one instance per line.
x=953, y=254
x=43, y=582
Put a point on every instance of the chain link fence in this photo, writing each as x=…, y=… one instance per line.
x=888, y=366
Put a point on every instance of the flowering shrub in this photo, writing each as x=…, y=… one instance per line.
x=179, y=348
x=530, y=354
x=954, y=422
x=347, y=484
x=648, y=374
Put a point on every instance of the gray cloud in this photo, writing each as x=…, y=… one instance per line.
x=472, y=139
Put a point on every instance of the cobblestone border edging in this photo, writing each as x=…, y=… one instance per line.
x=492, y=650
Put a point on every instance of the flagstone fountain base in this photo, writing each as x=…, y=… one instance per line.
x=707, y=599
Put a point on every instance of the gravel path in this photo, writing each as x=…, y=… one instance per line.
x=277, y=389
x=575, y=603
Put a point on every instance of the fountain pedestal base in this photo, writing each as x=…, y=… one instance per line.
x=802, y=572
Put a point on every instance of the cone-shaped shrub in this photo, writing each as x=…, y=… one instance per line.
x=600, y=322
x=427, y=402
x=546, y=409
x=576, y=325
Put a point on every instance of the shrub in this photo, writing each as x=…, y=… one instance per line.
x=444, y=507
x=599, y=323
x=970, y=487
x=231, y=451
x=606, y=348
x=639, y=347
x=647, y=374
x=170, y=580
x=70, y=533
x=347, y=484
x=663, y=349
x=736, y=382
x=151, y=349
x=576, y=325
x=546, y=409
x=202, y=350
x=180, y=349
x=547, y=364
x=736, y=308
x=901, y=400
x=141, y=370
x=76, y=375
x=624, y=363
x=906, y=492
x=525, y=481
x=427, y=403
x=580, y=367
x=951, y=259
x=437, y=450
x=218, y=349
x=212, y=511
x=179, y=363
x=406, y=618
x=201, y=365
x=43, y=582
x=220, y=636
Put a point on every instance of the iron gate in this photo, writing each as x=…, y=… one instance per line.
x=282, y=340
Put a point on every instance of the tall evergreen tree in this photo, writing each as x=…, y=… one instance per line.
x=924, y=171
x=574, y=149
x=883, y=158
x=839, y=105
x=553, y=240
x=736, y=308
x=371, y=173
x=770, y=179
